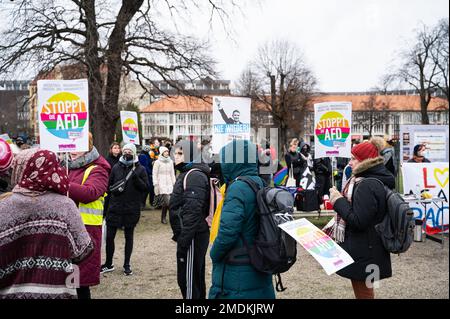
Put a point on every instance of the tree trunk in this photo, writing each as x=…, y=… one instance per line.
x=423, y=109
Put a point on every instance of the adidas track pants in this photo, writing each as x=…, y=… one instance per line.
x=191, y=268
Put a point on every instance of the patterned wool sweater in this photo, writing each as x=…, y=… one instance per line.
x=41, y=238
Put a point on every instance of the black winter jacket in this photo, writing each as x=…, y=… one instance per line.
x=192, y=205
x=322, y=166
x=295, y=160
x=125, y=209
x=112, y=160
x=367, y=209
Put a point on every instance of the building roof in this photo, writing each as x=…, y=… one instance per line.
x=395, y=103
x=187, y=104
x=180, y=104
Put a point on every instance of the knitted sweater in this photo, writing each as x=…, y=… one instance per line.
x=40, y=239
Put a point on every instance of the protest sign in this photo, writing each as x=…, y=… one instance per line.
x=332, y=133
x=6, y=138
x=231, y=120
x=328, y=253
x=130, y=127
x=435, y=178
x=63, y=115
x=434, y=137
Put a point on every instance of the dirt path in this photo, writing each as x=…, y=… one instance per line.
x=421, y=273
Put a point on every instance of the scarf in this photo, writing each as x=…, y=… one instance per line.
x=308, y=159
x=84, y=160
x=38, y=171
x=125, y=162
x=336, y=227
x=164, y=159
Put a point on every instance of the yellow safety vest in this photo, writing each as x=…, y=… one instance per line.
x=91, y=213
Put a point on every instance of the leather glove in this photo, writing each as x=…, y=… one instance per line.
x=334, y=195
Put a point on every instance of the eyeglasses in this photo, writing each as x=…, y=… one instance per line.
x=179, y=153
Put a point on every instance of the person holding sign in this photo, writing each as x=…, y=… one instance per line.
x=88, y=175
x=361, y=206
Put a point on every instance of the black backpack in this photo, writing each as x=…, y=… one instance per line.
x=273, y=250
x=397, y=227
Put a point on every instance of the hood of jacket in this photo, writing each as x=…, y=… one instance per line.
x=374, y=167
x=238, y=158
x=303, y=144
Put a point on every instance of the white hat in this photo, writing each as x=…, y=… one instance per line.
x=133, y=150
x=163, y=149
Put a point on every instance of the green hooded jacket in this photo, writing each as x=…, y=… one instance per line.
x=238, y=158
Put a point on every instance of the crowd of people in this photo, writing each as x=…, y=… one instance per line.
x=54, y=213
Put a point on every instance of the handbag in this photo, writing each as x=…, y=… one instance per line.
x=119, y=187
x=291, y=180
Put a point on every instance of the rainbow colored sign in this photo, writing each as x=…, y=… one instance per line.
x=327, y=252
x=63, y=115
x=130, y=128
x=332, y=129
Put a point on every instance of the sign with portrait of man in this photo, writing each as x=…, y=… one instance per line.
x=231, y=120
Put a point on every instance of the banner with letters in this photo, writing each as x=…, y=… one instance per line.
x=332, y=129
x=130, y=127
x=63, y=115
x=231, y=120
x=435, y=178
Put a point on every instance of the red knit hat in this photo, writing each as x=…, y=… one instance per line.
x=370, y=149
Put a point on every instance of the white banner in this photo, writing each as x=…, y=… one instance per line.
x=434, y=137
x=130, y=127
x=332, y=129
x=231, y=120
x=63, y=115
x=435, y=178
x=326, y=251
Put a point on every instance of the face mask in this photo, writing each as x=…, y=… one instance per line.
x=128, y=157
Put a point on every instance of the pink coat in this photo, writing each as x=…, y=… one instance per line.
x=94, y=187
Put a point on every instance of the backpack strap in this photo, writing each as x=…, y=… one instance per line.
x=388, y=191
x=186, y=176
x=253, y=185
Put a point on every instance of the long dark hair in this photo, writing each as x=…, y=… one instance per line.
x=111, y=147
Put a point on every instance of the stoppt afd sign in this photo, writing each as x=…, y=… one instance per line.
x=63, y=115
x=130, y=128
x=332, y=129
x=435, y=178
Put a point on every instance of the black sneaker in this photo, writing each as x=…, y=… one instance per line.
x=105, y=268
x=127, y=271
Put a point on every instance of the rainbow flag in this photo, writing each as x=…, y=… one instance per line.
x=280, y=177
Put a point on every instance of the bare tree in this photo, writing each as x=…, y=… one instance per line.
x=440, y=55
x=108, y=39
x=419, y=69
x=249, y=84
x=374, y=112
x=280, y=79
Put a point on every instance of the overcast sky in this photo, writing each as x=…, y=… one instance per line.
x=349, y=44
